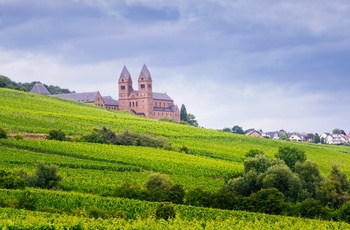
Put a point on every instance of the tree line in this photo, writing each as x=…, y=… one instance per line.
x=6, y=82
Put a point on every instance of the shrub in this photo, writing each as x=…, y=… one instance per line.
x=11, y=181
x=198, y=197
x=46, y=176
x=57, y=135
x=3, y=133
x=177, y=194
x=343, y=213
x=27, y=200
x=131, y=191
x=158, y=181
x=165, y=211
x=19, y=137
x=311, y=208
x=269, y=201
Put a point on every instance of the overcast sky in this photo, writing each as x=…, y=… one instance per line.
x=264, y=64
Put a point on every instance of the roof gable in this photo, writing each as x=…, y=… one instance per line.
x=40, y=89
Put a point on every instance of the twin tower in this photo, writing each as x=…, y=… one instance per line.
x=144, y=102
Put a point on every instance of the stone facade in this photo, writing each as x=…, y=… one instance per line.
x=145, y=102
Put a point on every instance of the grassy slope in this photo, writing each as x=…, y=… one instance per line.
x=26, y=112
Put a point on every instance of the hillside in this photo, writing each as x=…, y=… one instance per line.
x=90, y=170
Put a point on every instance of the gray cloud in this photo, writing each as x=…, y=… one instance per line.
x=264, y=64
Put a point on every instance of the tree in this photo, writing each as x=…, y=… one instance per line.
x=291, y=156
x=282, y=178
x=58, y=135
x=283, y=136
x=183, y=113
x=191, y=120
x=237, y=129
x=338, y=131
x=335, y=190
x=157, y=180
x=259, y=163
x=310, y=176
x=268, y=200
x=46, y=176
x=244, y=185
x=227, y=130
x=316, y=138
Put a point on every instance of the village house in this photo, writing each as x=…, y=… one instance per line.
x=334, y=139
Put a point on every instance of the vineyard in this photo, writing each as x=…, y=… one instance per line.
x=92, y=171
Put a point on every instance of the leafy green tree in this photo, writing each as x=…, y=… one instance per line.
x=227, y=130
x=183, y=113
x=311, y=208
x=58, y=135
x=191, y=120
x=316, y=138
x=238, y=129
x=177, y=194
x=334, y=191
x=254, y=152
x=270, y=201
x=244, y=185
x=157, y=180
x=259, y=163
x=283, y=136
x=291, y=155
x=282, y=178
x=46, y=176
x=310, y=176
x=338, y=131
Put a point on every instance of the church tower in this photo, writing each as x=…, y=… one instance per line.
x=125, y=88
x=145, y=92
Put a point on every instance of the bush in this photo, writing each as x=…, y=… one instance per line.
x=27, y=200
x=19, y=137
x=270, y=201
x=57, y=135
x=177, y=194
x=11, y=181
x=311, y=208
x=158, y=181
x=46, y=176
x=3, y=133
x=165, y=211
x=131, y=191
x=343, y=213
x=198, y=197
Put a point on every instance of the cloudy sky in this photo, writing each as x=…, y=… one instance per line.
x=265, y=64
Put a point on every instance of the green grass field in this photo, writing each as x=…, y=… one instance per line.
x=90, y=170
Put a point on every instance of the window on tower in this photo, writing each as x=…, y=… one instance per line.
x=122, y=87
x=142, y=86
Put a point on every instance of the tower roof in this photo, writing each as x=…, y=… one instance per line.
x=145, y=73
x=126, y=74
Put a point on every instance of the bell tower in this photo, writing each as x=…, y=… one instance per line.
x=125, y=88
x=145, y=83
x=145, y=91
